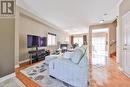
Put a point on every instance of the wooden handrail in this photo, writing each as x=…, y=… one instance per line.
x=113, y=43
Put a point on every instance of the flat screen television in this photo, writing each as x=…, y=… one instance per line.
x=32, y=41
x=43, y=41
x=36, y=41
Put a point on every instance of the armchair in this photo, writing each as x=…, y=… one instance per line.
x=73, y=70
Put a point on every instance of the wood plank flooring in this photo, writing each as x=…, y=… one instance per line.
x=106, y=76
x=25, y=80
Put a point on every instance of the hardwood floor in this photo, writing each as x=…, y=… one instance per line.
x=103, y=76
x=26, y=81
x=108, y=76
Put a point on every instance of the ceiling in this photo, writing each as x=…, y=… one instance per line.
x=73, y=16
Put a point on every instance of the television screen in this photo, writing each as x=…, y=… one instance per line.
x=32, y=41
x=43, y=41
x=29, y=41
x=36, y=41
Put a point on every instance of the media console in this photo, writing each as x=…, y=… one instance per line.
x=38, y=55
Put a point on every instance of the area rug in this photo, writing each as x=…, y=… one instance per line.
x=12, y=82
x=39, y=74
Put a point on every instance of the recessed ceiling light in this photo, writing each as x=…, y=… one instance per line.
x=101, y=21
x=105, y=14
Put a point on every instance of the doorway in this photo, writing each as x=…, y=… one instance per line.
x=100, y=47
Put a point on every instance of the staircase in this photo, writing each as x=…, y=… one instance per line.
x=113, y=56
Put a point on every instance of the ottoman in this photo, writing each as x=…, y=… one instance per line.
x=49, y=58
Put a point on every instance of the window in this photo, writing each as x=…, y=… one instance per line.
x=78, y=40
x=51, y=39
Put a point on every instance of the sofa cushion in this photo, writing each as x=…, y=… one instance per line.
x=82, y=48
x=67, y=55
x=77, y=55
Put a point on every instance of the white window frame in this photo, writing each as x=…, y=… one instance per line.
x=51, y=39
x=77, y=40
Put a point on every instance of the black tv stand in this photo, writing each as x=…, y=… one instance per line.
x=38, y=55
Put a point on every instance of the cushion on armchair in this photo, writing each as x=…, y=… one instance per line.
x=77, y=55
x=67, y=55
x=82, y=48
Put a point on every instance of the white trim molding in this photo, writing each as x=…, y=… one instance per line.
x=24, y=61
x=126, y=74
x=25, y=12
x=17, y=66
x=123, y=72
x=7, y=77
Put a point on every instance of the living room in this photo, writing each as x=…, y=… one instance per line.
x=37, y=28
x=55, y=40
x=56, y=44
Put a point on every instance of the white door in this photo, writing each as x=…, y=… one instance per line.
x=99, y=53
x=126, y=42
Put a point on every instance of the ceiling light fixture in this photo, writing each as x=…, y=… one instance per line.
x=105, y=14
x=101, y=21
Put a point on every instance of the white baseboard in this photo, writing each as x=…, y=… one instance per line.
x=7, y=77
x=24, y=61
x=17, y=66
x=126, y=74
x=123, y=72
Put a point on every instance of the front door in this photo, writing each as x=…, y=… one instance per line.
x=126, y=43
x=99, y=46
